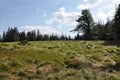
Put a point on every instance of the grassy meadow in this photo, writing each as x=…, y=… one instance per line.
x=60, y=60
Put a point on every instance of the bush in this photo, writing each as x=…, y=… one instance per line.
x=15, y=63
x=4, y=67
x=25, y=42
x=76, y=64
x=22, y=74
x=3, y=76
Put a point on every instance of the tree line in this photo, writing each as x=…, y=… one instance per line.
x=12, y=34
x=90, y=30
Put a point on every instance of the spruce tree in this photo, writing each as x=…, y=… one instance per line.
x=116, y=25
x=85, y=24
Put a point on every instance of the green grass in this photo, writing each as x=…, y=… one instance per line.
x=60, y=60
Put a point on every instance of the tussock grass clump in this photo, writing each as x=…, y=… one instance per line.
x=78, y=62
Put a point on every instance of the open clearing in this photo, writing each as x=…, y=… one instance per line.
x=60, y=60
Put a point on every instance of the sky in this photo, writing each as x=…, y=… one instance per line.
x=51, y=16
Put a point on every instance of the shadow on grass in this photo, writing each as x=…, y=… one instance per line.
x=116, y=67
x=112, y=43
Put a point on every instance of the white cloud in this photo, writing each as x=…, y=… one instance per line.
x=82, y=6
x=111, y=13
x=89, y=4
x=116, y=2
x=63, y=21
x=101, y=16
x=107, y=11
x=92, y=2
x=44, y=14
x=43, y=29
x=63, y=18
x=112, y=5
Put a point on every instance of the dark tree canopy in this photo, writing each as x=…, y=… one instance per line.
x=22, y=36
x=116, y=25
x=12, y=34
x=85, y=24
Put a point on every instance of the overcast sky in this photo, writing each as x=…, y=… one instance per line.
x=51, y=16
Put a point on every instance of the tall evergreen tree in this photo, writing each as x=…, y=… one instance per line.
x=29, y=36
x=101, y=32
x=33, y=35
x=85, y=24
x=108, y=30
x=53, y=37
x=38, y=36
x=8, y=35
x=15, y=34
x=78, y=37
x=4, y=36
x=116, y=25
x=62, y=37
x=69, y=37
x=22, y=36
x=11, y=35
x=46, y=37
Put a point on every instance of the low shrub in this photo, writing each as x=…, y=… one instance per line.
x=22, y=74
x=25, y=42
x=3, y=76
x=4, y=67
